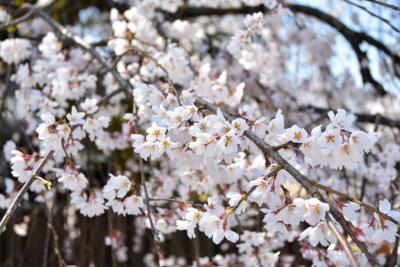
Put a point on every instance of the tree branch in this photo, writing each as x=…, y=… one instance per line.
x=397, y=8
x=148, y=211
x=14, y=204
x=18, y=20
x=59, y=29
x=299, y=177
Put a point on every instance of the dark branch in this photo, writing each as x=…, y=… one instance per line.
x=397, y=8
x=18, y=20
x=373, y=14
x=187, y=13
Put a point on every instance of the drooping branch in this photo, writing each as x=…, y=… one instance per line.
x=14, y=204
x=309, y=185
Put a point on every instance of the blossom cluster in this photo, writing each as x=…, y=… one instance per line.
x=149, y=147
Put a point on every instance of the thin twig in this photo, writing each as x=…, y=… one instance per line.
x=159, y=65
x=176, y=201
x=391, y=262
x=6, y=90
x=46, y=247
x=148, y=207
x=397, y=8
x=50, y=226
x=343, y=242
x=110, y=230
x=373, y=14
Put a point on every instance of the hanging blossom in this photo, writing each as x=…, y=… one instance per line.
x=339, y=145
x=14, y=51
x=200, y=161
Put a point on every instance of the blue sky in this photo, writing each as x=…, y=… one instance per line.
x=345, y=57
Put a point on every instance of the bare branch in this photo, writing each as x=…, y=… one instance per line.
x=382, y=3
x=373, y=14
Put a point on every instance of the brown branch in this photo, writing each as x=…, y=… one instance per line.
x=347, y=228
x=391, y=262
x=299, y=177
x=14, y=204
x=306, y=183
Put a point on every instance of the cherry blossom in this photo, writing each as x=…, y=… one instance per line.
x=15, y=50
x=235, y=122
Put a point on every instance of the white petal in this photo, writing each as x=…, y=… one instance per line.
x=384, y=206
